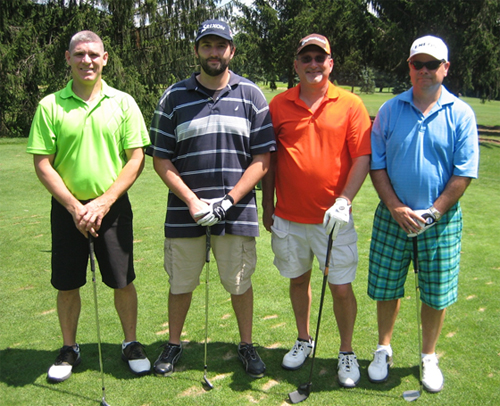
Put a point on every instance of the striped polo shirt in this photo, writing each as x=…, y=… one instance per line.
x=211, y=142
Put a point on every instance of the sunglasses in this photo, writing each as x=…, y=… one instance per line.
x=431, y=65
x=320, y=59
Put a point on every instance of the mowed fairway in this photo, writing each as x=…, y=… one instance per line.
x=469, y=348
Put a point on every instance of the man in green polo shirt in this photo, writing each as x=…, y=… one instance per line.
x=88, y=143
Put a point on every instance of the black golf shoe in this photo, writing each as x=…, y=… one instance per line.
x=253, y=364
x=164, y=365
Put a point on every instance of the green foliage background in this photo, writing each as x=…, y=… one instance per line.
x=151, y=44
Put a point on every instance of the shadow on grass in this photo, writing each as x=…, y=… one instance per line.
x=21, y=367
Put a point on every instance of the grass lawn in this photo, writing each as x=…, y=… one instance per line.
x=487, y=113
x=469, y=348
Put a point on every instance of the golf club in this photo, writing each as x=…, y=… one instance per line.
x=207, y=271
x=411, y=395
x=92, y=268
x=303, y=391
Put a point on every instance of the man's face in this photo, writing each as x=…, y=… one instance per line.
x=313, y=67
x=214, y=54
x=87, y=60
x=426, y=78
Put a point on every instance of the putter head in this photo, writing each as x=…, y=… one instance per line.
x=207, y=382
x=301, y=394
x=411, y=395
x=104, y=403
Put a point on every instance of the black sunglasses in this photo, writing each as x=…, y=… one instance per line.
x=431, y=65
x=308, y=59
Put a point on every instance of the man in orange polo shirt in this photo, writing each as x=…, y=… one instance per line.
x=323, y=157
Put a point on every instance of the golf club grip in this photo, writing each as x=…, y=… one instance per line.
x=328, y=253
x=92, y=256
x=415, y=255
x=209, y=233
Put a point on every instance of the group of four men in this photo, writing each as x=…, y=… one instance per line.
x=213, y=138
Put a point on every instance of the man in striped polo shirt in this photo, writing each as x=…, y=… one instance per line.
x=212, y=138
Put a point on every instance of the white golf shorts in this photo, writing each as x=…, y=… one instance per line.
x=295, y=245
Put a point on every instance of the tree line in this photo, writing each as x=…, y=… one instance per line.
x=150, y=43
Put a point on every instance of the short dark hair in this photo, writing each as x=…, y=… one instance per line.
x=84, y=36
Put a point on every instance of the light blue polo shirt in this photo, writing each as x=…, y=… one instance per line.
x=421, y=153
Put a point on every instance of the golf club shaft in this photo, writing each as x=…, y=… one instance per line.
x=92, y=268
x=207, y=272
x=417, y=301
x=323, y=288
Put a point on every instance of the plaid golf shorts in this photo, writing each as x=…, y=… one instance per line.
x=391, y=252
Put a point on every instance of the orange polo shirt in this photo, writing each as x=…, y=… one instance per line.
x=315, y=151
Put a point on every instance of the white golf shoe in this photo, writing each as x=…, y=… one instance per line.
x=378, y=370
x=135, y=355
x=432, y=380
x=348, y=370
x=68, y=358
x=296, y=357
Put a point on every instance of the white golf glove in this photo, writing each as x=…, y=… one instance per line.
x=337, y=215
x=430, y=220
x=215, y=212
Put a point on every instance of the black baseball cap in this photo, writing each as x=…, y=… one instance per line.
x=214, y=27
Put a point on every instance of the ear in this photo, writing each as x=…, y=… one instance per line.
x=105, y=59
x=446, y=67
x=67, y=55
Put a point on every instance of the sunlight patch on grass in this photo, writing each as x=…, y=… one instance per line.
x=270, y=384
x=220, y=377
x=48, y=312
x=27, y=287
x=192, y=391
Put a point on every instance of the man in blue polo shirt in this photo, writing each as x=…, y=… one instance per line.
x=424, y=155
x=211, y=140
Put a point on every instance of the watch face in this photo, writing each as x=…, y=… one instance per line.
x=435, y=213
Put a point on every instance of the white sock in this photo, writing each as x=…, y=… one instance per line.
x=388, y=348
x=431, y=356
x=125, y=343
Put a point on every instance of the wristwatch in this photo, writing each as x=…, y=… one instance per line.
x=435, y=212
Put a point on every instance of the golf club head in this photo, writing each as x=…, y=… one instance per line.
x=104, y=403
x=301, y=394
x=411, y=395
x=207, y=382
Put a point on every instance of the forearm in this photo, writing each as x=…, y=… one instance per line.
x=54, y=183
x=128, y=175
x=383, y=186
x=453, y=191
x=255, y=172
x=356, y=177
x=268, y=184
x=172, y=179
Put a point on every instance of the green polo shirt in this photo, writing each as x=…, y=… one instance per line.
x=88, y=143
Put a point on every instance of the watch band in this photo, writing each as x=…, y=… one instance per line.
x=435, y=212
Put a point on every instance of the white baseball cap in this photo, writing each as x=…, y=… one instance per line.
x=429, y=45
